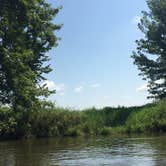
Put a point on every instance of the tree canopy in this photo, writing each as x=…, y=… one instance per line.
x=150, y=56
x=27, y=33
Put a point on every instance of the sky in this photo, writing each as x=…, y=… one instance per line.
x=92, y=65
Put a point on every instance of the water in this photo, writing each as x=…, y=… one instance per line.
x=96, y=151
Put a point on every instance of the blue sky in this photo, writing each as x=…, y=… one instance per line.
x=92, y=64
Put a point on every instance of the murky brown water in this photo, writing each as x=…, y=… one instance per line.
x=99, y=151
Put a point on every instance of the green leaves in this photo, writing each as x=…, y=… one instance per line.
x=150, y=56
x=26, y=34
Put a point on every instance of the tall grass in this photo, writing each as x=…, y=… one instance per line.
x=65, y=122
x=149, y=119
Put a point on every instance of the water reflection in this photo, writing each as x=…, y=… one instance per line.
x=126, y=151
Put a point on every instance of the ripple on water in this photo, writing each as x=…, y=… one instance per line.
x=101, y=151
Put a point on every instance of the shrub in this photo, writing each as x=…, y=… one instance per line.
x=106, y=131
x=8, y=123
x=149, y=119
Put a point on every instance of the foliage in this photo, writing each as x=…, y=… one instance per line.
x=26, y=34
x=150, y=56
x=150, y=119
x=8, y=123
x=51, y=122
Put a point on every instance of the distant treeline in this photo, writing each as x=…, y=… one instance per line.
x=52, y=122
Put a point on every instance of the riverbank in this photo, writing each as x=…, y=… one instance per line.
x=150, y=118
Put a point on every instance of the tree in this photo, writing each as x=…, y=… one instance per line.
x=26, y=34
x=150, y=56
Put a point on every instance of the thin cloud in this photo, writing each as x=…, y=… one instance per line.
x=51, y=85
x=78, y=89
x=62, y=93
x=95, y=85
x=142, y=88
x=160, y=81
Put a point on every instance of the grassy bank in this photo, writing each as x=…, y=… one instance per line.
x=64, y=122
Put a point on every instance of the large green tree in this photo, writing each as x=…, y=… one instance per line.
x=27, y=32
x=150, y=56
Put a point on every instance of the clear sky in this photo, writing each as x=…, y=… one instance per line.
x=92, y=64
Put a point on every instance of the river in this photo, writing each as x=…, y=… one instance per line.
x=85, y=151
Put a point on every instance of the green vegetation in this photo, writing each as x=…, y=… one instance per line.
x=26, y=35
x=51, y=122
x=150, y=56
x=152, y=119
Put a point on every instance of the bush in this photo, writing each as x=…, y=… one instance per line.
x=51, y=121
x=151, y=119
x=8, y=123
x=73, y=132
x=106, y=131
